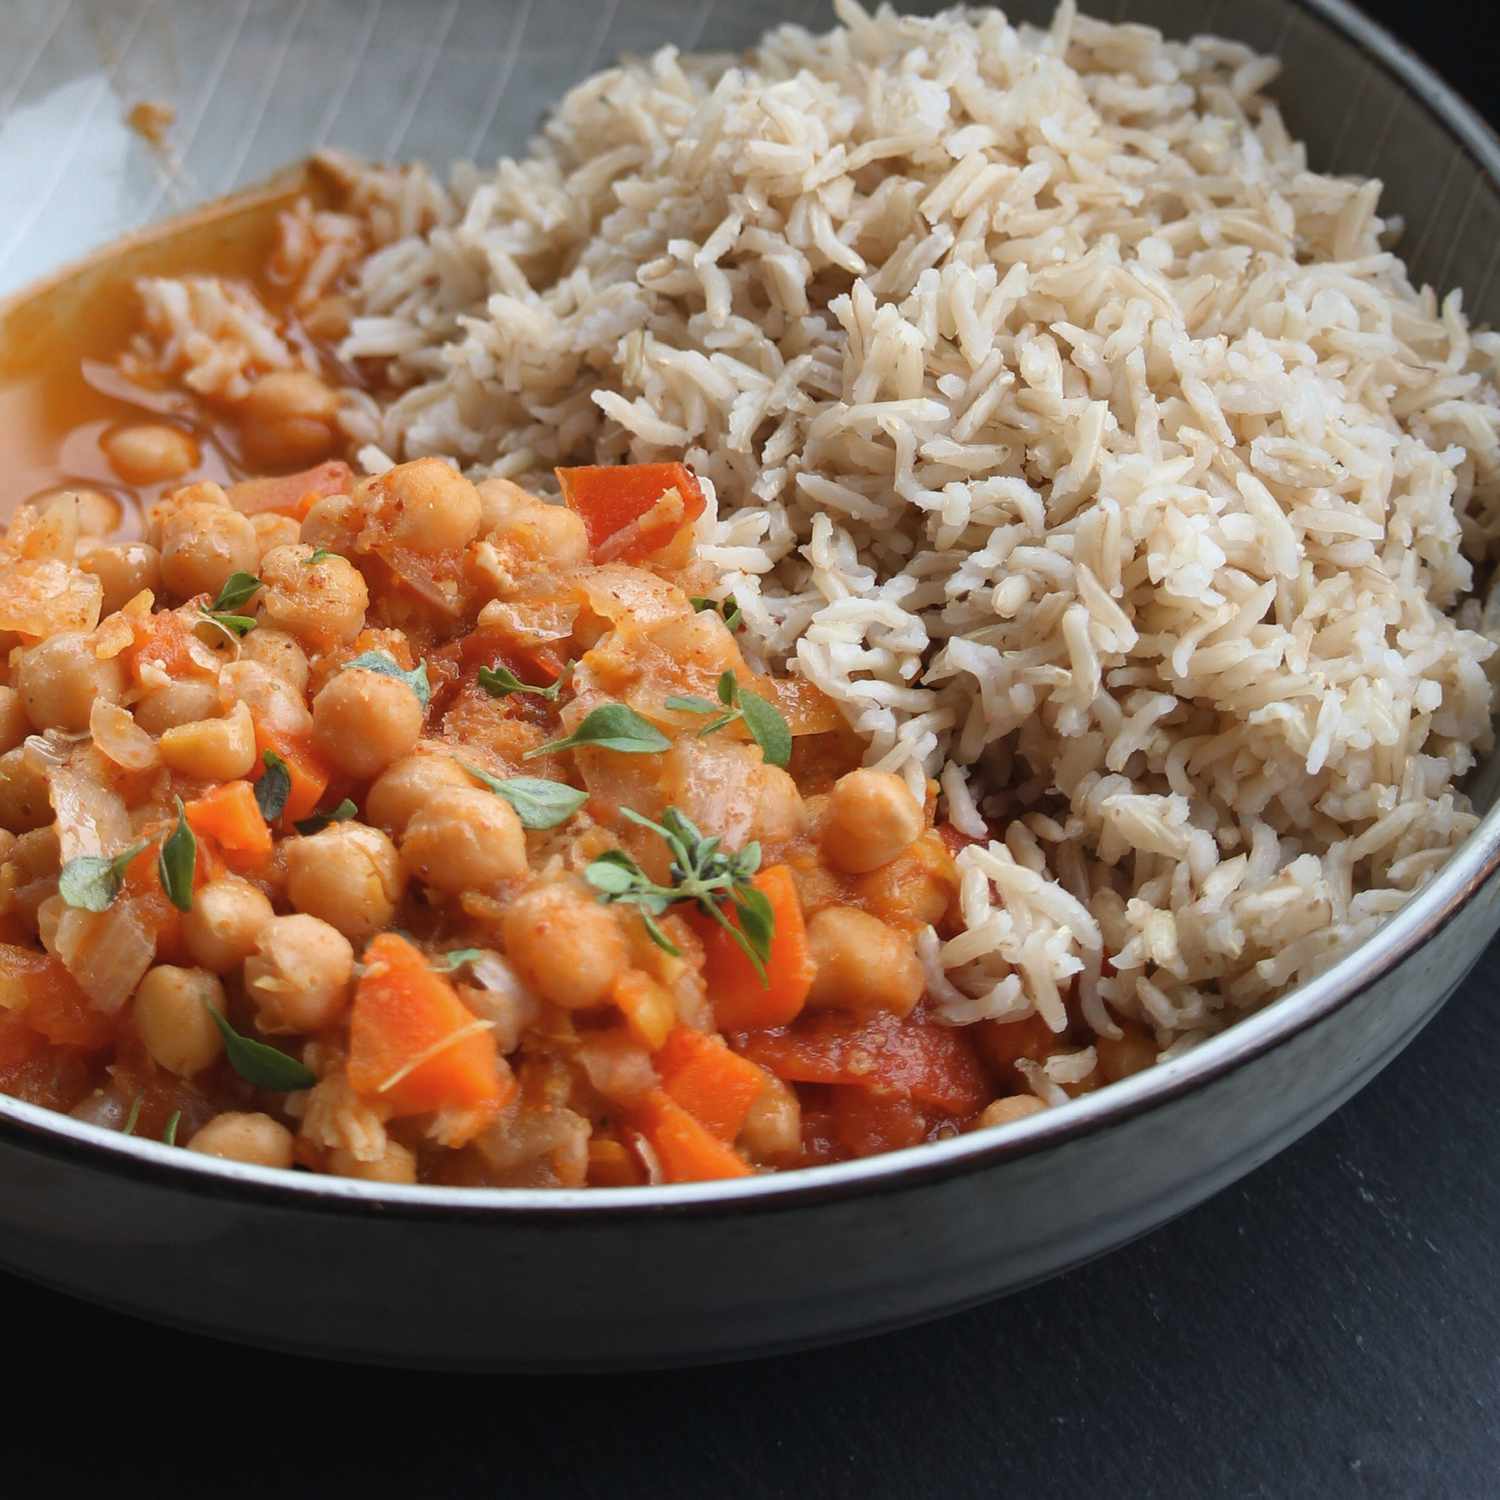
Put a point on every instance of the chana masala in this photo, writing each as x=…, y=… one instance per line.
x=415, y=830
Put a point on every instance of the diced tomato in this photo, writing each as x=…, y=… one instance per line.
x=935, y=1065
x=866, y=1121
x=161, y=639
x=616, y=501
x=292, y=494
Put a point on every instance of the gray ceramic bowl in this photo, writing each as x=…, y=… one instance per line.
x=641, y=1276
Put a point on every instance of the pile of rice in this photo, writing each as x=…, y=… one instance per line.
x=1095, y=454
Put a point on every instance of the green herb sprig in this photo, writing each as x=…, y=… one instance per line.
x=702, y=874
x=457, y=958
x=259, y=1064
x=500, y=682
x=320, y=820
x=169, y=1135
x=384, y=663
x=91, y=881
x=538, y=803
x=177, y=861
x=239, y=588
x=274, y=787
x=727, y=609
x=767, y=728
x=611, y=726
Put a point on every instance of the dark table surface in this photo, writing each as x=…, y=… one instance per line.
x=1329, y=1327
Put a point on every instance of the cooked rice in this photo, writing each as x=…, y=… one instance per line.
x=1097, y=456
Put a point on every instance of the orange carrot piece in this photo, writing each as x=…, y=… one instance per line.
x=292, y=494
x=230, y=815
x=686, y=1150
x=304, y=765
x=614, y=497
x=740, y=1000
x=163, y=640
x=412, y=1042
x=713, y=1084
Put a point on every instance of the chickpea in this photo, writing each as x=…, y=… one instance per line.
x=255, y=1139
x=408, y=786
x=1003, y=1111
x=332, y=523
x=395, y=1164
x=566, y=946
x=430, y=505
x=150, y=453
x=1133, y=1052
x=287, y=420
x=171, y=1013
x=272, y=530
x=779, y=814
x=509, y=514
x=182, y=702
x=349, y=875
x=24, y=801
x=914, y=889
x=212, y=749
x=871, y=818
x=365, y=720
x=124, y=569
x=862, y=965
x=465, y=838
x=323, y=604
x=772, y=1130
x=95, y=512
x=61, y=677
x=298, y=977
x=226, y=922
x=279, y=653
x=271, y=699
x=202, y=544
x=14, y=724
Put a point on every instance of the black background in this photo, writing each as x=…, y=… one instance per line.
x=1329, y=1327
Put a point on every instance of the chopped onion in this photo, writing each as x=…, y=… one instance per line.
x=107, y=952
x=120, y=739
x=42, y=598
x=91, y=816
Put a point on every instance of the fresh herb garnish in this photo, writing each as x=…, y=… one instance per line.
x=380, y=661
x=274, y=787
x=259, y=1064
x=177, y=861
x=728, y=609
x=134, y=1117
x=320, y=820
x=701, y=873
x=318, y=554
x=448, y=963
x=538, y=803
x=169, y=1135
x=500, y=682
x=91, y=882
x=238, y=589
x=611, y=726
x=767, y=728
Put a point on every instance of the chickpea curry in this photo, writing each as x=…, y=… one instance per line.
x=422, y=830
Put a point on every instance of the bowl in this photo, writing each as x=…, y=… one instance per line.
x=628, y=1277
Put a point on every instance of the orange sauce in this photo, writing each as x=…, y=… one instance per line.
x=60, y=388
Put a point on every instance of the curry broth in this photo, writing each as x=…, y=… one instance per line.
x=61, y=391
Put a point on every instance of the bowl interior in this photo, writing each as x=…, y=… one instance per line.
x=258, y=83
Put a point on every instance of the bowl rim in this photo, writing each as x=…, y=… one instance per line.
x=1472, y=865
